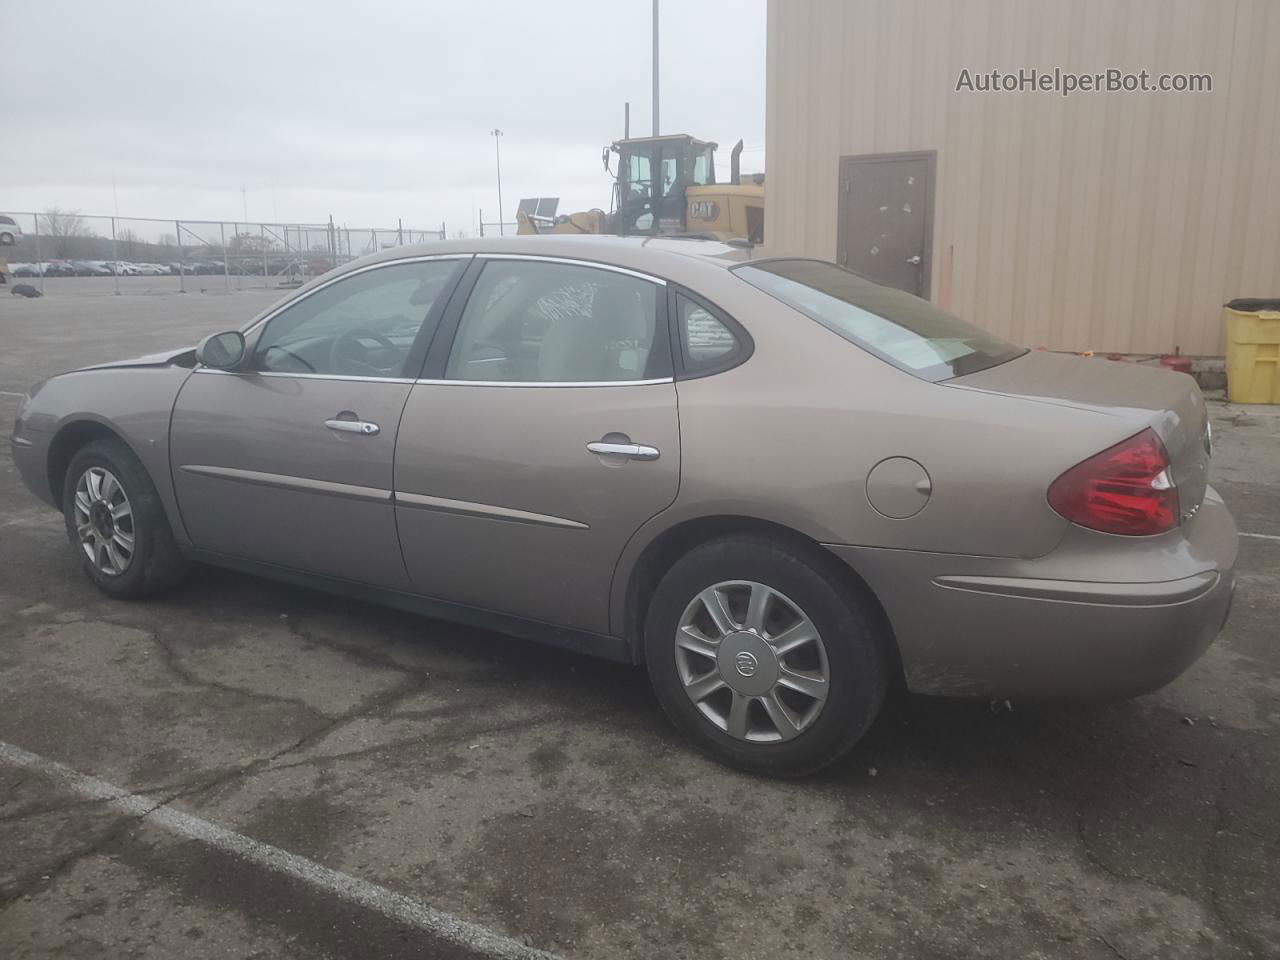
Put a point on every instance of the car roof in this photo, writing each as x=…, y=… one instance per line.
x=640, y=253
x=681, y=260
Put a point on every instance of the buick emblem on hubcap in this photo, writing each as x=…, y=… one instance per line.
x=746, y=664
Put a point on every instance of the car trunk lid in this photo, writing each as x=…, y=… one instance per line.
x=1135, y=395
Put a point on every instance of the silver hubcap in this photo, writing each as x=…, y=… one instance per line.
x=751, y=661
x=104, y=521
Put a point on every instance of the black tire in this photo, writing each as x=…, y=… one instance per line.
x=857, y=652
x=156, y=563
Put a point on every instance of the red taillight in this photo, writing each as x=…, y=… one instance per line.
x=1124, y=489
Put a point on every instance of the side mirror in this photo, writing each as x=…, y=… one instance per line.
x=222, y=351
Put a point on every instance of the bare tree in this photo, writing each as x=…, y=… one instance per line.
x=244, y=244
x=66, y=230
x=131, y=243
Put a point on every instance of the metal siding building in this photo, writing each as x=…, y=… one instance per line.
x=1105, y=221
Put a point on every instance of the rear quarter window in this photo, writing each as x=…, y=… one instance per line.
x=709, y=341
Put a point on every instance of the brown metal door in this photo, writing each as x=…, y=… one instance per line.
x=886, y=218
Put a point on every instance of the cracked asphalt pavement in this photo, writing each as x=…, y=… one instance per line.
x=543, y=796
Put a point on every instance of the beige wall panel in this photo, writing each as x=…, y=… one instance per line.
x=1099, y=221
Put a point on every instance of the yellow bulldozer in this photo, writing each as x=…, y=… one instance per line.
x=663, y=186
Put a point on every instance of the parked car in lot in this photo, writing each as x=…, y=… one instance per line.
x=10, y=232
x=201, y=267
x=774, y=483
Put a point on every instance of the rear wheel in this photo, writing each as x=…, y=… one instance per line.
x=116, y=523
x=764, y=657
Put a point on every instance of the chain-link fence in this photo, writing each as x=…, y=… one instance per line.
x=499, y=226
x=192, y=254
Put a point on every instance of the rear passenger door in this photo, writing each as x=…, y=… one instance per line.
x=543, y=434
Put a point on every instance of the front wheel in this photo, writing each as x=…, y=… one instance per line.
x=764, y=657
x=116, y=522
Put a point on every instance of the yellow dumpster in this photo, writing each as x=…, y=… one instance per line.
x=1253, y=351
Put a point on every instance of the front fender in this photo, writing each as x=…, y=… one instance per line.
x=134, y=404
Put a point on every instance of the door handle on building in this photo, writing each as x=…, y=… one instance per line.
x=634, y=451
x=914, y=261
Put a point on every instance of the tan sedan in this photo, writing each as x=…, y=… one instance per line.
x=775, y=484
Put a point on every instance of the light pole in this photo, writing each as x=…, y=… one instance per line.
x=497, y=155
x=655, y=68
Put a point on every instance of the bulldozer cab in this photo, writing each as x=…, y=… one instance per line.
x=653, y=174
x=663, y=186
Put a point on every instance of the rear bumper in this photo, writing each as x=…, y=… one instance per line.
x=1052, y=627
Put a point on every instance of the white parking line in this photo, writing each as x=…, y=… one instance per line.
x=1261, y=536
x=390, y=904
x=49, y=518
x=10, y=393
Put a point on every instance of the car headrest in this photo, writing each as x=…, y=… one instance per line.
x=618, y=314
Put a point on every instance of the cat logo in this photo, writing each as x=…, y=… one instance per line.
x=704, y=210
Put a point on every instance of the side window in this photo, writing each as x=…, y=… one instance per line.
x=702, y=168
x=363, y=325
x=555, y=323
x=706, y=341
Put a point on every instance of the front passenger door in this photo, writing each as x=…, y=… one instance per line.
x=289, y=460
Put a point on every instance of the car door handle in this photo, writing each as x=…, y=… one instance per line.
x=635, y=451
x=365, y=428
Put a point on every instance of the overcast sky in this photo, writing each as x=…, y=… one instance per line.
x=367, y=111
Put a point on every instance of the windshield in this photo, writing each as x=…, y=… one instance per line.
x=638, y=172
x=908, y=332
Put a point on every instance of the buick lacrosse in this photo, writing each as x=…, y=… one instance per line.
x=777, y=485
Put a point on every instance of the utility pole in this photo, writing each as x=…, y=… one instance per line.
x=655, y=68
x=497, y=155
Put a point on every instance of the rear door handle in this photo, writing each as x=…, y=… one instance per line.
x=635, y=451
x=365, y=428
